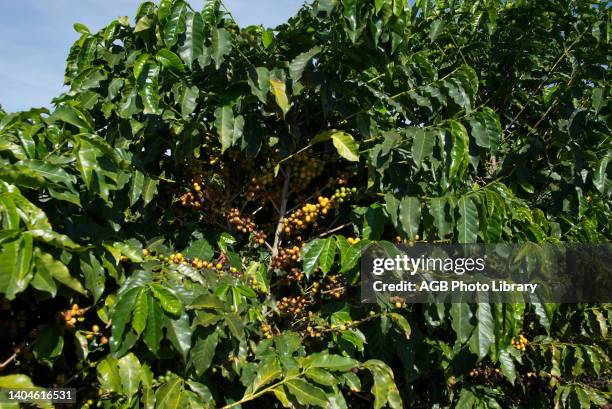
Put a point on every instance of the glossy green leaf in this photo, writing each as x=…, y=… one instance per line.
x=467, y=224
x=189, y=100
x=306, y=393
x=482, y=338
x=178, y=331
x=192, y=46
x=422, y=145
x=141, y=312
x=168, y=59
x=130, y=374
x=410, y=216
x=203, y=352
x=168, y=301
x=154, y=329
x=221, y=46
x=175, y=24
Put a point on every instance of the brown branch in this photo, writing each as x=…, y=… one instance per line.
x=8, y=361
x=281, y=212
x=335, y=229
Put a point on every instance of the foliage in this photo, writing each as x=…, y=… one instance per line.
x=184, y=228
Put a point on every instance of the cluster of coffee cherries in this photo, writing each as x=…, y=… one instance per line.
x=245, y=224
x=259, y=184
x=397, y=302
x=96, y=333
x=485, y=372
x=286, y=257
x=242, y=224
x=316, y=330
x=220, y=265
x=520, y=343
x=295, y=275
x=294, y=305
x=307, y=215
x=353, y=240
x=267, y=331
x=194, y=198
x=334, y=286
x=71, y=316
x=176, y=258
x=305, y=169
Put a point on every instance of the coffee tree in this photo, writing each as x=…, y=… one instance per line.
x=184, y=228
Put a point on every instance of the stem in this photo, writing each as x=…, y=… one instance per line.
x=261, y=392
x=281, y=212
x=8, y=361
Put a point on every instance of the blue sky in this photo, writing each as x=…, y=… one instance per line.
x=35, y=36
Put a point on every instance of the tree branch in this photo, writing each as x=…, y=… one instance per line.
x=281, y=212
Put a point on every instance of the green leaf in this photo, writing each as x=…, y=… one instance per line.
x=410, y=216
x=200, y=248
x=153, y=333
x=440, y=209
x=346, y=146
x=94, y=275
x=169, y=302
x=73, y=116
x=148, y=87
x=168, y=396
x=329, y=361
x=203, y=352
x=149, y=189
x=461, y=321
x=221, y=46
x=267, y=371
x=384, y=389
x=51, y=172
x=49, y=344
x=210, y=301
x=108, y=375
x=136, y=185
x=467, y=225
x=168, y=59
x=306, y=393
x=298, y=64
x=267, y=38
x=81, y=28
x=483, y=336
x=15, y=266
x=402, y=323
x=507, y=366
x=436, y=28
x=141, y=312
x=179, y=333
x=486, y=129
x=130, y=374
x=121, y=316
x=280, y=94
x=318, y=253
x=321, y=376
x=459, y=154
x=58, y=271
x=43, y=278
x=224, y=123
x=192, y=46
x=422, y=145
x=600, y=178
x=175, y=24
x=189, y=100
x=235, y=325
x=259, y=81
